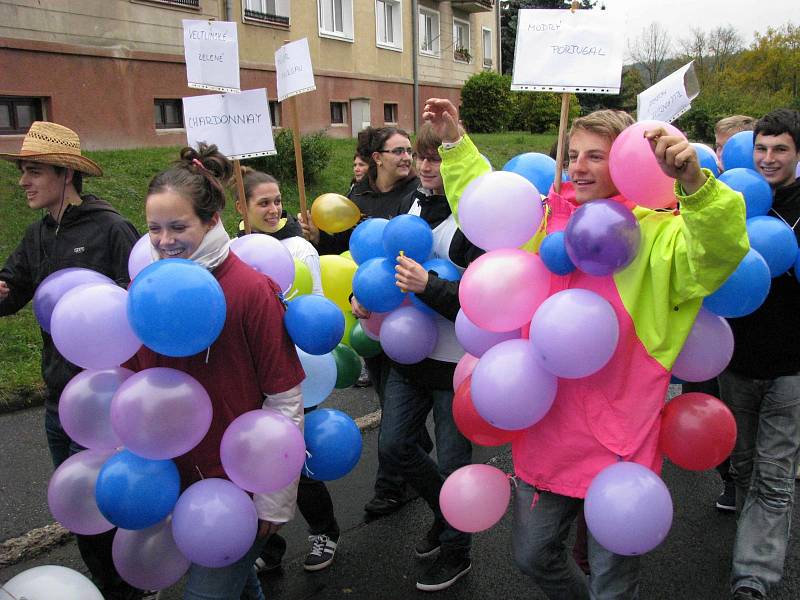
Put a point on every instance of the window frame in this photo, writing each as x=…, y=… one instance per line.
x=436, y=49
x=280, y=18
x=162, y=103
x=458, y=22
x=394, y=107
x=489, y=47
x=348, y=33
x=397, y=25
x=345, y=122
x=189, y=5
x=38, y=105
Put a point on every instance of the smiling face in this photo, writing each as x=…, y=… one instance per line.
x=429, y=164
x=174, y=227
x=393, y=167
x=588, y=166
x=264, y=207
x=360, y=168
x=776, y=157
x=43, y=186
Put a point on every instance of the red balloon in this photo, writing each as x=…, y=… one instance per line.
x=473, y=426
x=697, y=431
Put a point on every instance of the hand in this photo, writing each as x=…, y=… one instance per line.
x=267, y=528
x=358, y=310
x=443, y=117
x=310, y=231
x=4, y=290
x=410, y=275
x=677, y=159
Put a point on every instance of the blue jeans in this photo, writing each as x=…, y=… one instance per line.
x=763, y=466
x=405, y=410
x=233, y=582
x=538, y=541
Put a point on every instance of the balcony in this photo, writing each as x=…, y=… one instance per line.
x=266, y=18
x=473, y=6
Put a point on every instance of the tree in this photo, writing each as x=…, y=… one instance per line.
x=632, y=86
x=651, y=50
x=486, y=103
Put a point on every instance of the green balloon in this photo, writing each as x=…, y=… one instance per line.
x=365, y=346
x=349, y=321
x=302, y=283
x=348, y=366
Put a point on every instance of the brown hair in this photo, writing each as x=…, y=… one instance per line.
x=372, y=140
x=427, y=141
x=251, y=178
x=605, y=123
x=734, y=124
x=200, y=176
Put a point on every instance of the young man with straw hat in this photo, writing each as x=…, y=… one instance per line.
x=75, y=231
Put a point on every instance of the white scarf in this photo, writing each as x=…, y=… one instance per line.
x=211, y=252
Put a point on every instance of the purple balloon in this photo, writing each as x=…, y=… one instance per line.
x=55, y=285
x=574, y=333
x=628, y=509
x=510, y=389
x=90, y=326
x=408, y=335
x=70, y=493
x=602, y=237
x=262, y=451
x=140, y=256
x=214, y=523
x=161, y=413
x=148, y=558
x=84, y=408
x=475, y=340
x=707, y=350
x=266, y=255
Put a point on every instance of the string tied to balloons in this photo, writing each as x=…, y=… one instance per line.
x=305, y=465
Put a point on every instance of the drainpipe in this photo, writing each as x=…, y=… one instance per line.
x=499, y=41
x=414, y=59
x=229, y=10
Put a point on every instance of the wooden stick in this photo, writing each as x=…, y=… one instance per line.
x=298, y=154
x=562, y=137
x=237, y=173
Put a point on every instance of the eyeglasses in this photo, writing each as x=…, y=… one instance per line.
x=431, y=158
x=398, y=151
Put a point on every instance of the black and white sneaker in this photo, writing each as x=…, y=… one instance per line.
x=430, y=544
x=323, y=548
x=727, y=499
x=448, y=568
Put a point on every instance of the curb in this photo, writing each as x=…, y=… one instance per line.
x=22, y=398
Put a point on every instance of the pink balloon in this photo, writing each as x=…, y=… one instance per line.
x=475, y=340
x=148, y=558
x=464, y=369
x=140, y=256
x=266, y=255
x=55, y=285
x=634, y=168
x=262, y=451
x=408, y=335
x=84, y=408
x=502, y=289
x=372, y=325
x=70, y=493
x=90, y=326
x=161, y=413
x=574, y=333
x=475, y=497
x=707, y=350
x=500, y=209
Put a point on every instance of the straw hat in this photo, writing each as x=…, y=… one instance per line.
x=54, y=144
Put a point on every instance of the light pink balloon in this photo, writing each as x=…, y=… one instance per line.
x=707, y=350
x=140, y=256
x=464, y=369
x=475, y=497
x=266, y=255
x=502, y=289
x=148, y=558
x=70, y=493
x=372, y=325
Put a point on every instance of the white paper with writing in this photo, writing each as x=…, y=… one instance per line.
x=238, y=124
x=562, y=51
x=669, y=98
x=293, y=66
x=211, y=49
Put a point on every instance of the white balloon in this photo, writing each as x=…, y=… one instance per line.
x=48, y=582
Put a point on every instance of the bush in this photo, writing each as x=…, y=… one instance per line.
x=540, y=112
x=486, y=104
x=316, y=149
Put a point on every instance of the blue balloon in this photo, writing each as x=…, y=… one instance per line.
x=315, y=324
x=553, y=253
x=707, y=158
x=744, y=291
x=320, y=378
x=738, y=151
x=445, y=270
x=537, y=168
x=374, y=285
x=333, y=443
x=409, y=234
x=134, y=492
x=366, y=240
x=775, y=241
x=755, y=189
x=797, y=267
x=176, y=307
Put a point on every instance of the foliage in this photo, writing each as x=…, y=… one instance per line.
x=486, y=104
x=540, y=112
x=316, y=150
x=631, y=86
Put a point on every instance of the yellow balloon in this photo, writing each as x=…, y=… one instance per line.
x=334, y=213
x=337, y=279
x=349, y=321
x=302, y=283
x=347, y=255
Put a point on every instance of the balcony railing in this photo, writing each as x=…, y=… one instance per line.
x=473, y=6
x=266, y=17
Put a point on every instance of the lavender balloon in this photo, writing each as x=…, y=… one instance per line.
x=148, y=558
x=628, y=509
x=574, y=333
x=266, y=255
x=55, y=285
x=214, y=523
x=140, y=256
x=84, y=408
x=262, y=451
x=707, y=350
x=475, y=340
x=510, y=389
x=70, y=493
x=161, y=413
x=602, y=237
x=408, y=335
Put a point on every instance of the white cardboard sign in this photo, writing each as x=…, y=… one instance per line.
x=562, y=51
x=293, y=66
x=669, y=98
x=238, y=124
x=211, y=49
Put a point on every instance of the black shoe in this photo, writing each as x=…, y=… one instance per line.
x=323, y=549
x=271, y=554
x=746, y=593
x=383, y=505
x=448, y=568
x=727, y=500
x=430, y=544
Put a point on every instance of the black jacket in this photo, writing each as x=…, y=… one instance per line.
x=92, y=235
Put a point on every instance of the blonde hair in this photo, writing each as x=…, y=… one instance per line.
x=734, y=124
x=605, y=123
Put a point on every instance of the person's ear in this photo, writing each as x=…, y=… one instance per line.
x=213, y=222
x=239, y=208
x=68, y=175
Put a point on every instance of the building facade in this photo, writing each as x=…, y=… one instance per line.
x=114, y=70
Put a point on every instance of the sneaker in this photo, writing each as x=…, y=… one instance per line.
x=430, y=544
x=383, y=505
x=363, y=379
x=448, y=568
x=323, y=548
x=746, y=593
x=727, y=500
x=269, y=561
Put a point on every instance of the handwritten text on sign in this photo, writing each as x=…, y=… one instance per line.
x=211, y=49
x=238, y=124
x=293, y=65
x=669, y=98
x=561, y=51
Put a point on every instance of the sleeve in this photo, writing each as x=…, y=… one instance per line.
x=442, y=296
x=16, y=272
x=334, y=243
x=121, y=238
x=460, y=165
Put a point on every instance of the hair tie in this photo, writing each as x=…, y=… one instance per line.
x=197, y=162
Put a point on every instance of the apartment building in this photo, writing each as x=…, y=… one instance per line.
x=114, y=69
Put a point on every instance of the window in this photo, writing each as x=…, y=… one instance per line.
x=487, y=47
x=428, y=32
x=338, y=113
x=17, y=114
x=186, y=3
x=461, y=41
x=275, y=113
x=336, y=18
x=389, y=24
x=168, y=114
x=390, y=112
x=272, y=12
